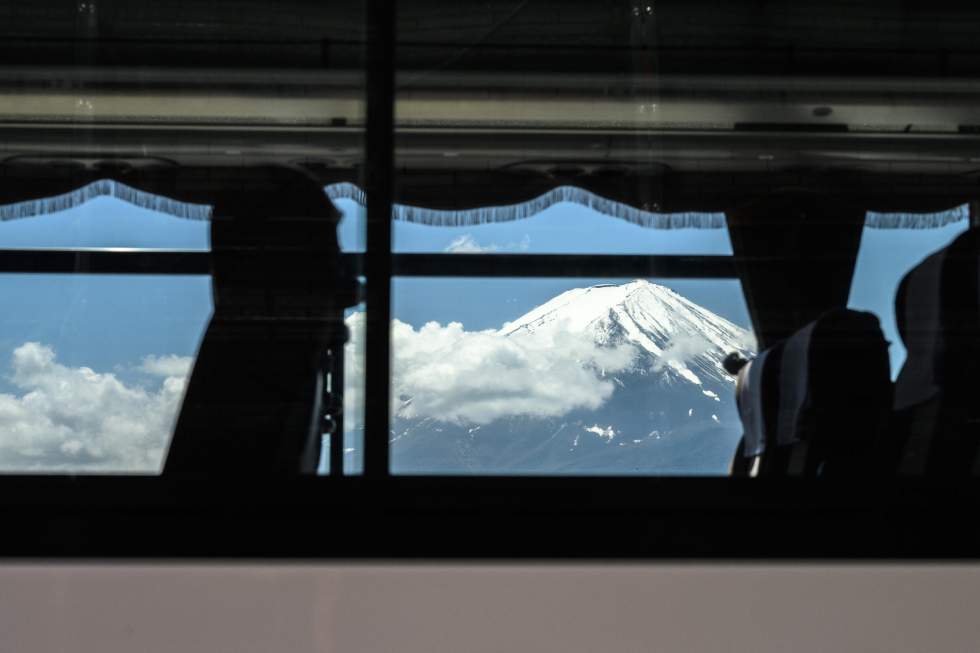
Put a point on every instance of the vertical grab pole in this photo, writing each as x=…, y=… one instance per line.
x=379, y=169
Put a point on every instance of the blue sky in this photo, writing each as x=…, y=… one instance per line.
x=105, y=222
x=884, y=258
x=104, y=322
x=108, y=222
x=76, y=312
x=111, y=324
x=561, y=229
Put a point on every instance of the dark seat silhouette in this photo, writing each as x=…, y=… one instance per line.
x=817, y=403
x=253, y=401
x=937, y=308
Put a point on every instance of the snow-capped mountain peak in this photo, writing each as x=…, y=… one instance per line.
x=668, y=329
x=623, y=378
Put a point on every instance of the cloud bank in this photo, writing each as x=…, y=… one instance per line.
x=474, y=377
x=75, y=419
x=682, y=348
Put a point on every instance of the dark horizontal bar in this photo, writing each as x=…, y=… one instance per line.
x=407, y=517
x=104, y=261
x=564, y=265
x=115, y=261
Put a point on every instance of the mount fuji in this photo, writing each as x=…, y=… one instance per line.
x=668, y=409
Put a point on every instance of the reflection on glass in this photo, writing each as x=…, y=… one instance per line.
x=889, y=249
x=93, y=369
x=559, y=376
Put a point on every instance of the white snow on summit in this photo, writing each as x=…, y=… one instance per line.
x=673, y=331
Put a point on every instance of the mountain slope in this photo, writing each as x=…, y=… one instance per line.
x=687, y=338
x=670, y=410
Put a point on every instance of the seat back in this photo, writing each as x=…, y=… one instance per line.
x=254, y=398
x=937, y=308
x=818, y=403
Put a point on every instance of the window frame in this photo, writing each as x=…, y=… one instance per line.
x=382, y=515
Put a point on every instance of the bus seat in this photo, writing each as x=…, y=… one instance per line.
x=937, y=308
x=817, y=403
x=253, y=401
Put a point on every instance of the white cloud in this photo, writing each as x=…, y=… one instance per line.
x=683, y=347
x=474, y=377
x=75, y=419
x=467, y=244
x=172, y=365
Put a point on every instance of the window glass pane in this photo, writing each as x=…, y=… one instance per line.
x=540, y=127
x=885, y=256
x=103, y=221
x=563, y=227
x=233, y=84
x=565, y=376
x=93, y=369
x=205, y=91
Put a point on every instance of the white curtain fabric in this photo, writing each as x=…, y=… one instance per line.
x=456, y=218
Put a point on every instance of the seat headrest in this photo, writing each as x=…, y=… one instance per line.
x=833, y=369
x=937, y=309
x=835, y=366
